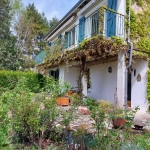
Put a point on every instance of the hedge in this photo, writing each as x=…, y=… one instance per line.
x=9, y=79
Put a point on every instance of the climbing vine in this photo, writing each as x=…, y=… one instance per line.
x=94, y=50
x=98, y=48
x=140, y=24
x=140, y=31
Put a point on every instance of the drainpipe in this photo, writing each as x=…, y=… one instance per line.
x=130, y=61
x=126, y=75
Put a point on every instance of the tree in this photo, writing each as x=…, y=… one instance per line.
x=7, y=40
x=28, y=26
x=53, y=22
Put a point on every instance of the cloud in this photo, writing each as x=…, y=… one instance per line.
x=52, y=8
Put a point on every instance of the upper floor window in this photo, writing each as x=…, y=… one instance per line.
x=95, y=24
x=70, y=38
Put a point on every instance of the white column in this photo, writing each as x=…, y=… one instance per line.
x=121, y=78
x=84, y=83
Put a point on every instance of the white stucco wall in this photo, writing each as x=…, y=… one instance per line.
x=138, y=92
x=61, y=73
x=103, y=82
x=121, y=6
x=70, y=75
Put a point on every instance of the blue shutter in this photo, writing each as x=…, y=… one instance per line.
x=81, y=28
x=57, y=74
x=66, y=40
x=49, y=43
x=111, y=18
x=59, y=36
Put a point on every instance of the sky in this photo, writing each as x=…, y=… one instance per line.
x=52, y=8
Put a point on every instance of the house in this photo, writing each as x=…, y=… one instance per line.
x=88, y=48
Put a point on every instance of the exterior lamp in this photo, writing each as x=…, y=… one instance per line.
x=110, y=69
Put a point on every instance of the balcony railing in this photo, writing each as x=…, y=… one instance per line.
x=40, y=57
x=103, y=22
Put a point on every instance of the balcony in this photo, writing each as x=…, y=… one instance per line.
x=104, y=22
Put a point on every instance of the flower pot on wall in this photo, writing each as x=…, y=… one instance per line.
x=63, y=101
x=119, y=122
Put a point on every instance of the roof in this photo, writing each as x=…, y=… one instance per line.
x=78, y=6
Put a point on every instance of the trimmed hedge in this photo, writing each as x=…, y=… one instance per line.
x=9, y=79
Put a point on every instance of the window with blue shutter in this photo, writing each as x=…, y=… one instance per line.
x=81, y=29
x=66, y=40
x=111, y=18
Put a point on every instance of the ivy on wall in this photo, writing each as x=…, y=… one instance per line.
x=140, y=24
x=140, y=32
x=93, y=48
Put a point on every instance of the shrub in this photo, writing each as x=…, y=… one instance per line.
x=31, y=115
x=9, y=79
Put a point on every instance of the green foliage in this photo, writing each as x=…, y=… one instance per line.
x=29, y=117
x=117, y=40
x=9, y=79
x=139, y=25
x=8, y=59
x=56, y=87
x=40, y=22
x=144, y=44
x=27, y=24
x=140, y=31
x=4, y=124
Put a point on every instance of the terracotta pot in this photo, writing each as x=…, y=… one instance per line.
x=63, y=101
x=119, y=122
x=69, y=93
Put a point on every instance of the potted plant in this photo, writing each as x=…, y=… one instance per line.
x=62, y=89
x=118, y=118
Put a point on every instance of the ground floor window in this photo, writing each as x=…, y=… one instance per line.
x=54, y=74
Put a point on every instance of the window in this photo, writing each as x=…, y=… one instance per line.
x=81, y=29
x=71, y=37
x=54, y=74
x=95, y=24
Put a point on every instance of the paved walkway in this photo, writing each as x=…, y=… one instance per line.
x=142, y=119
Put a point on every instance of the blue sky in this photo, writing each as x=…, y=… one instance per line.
x=52, y=8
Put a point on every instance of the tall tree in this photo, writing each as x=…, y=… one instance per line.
x=7, y=40
x=53, y=22
x=30, y=25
